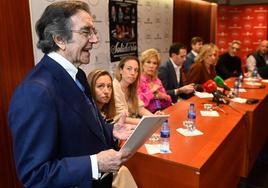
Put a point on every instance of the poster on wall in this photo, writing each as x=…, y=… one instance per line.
x=123, y=29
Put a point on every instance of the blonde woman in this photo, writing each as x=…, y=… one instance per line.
x=151, y=90
x=204, y=67
x=125, y=90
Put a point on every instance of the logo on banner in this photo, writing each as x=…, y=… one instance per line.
x=260, y=34
x=261, y=9
x=247, y=50
x=247, y=34
x=248, y=26
x=248, y=17
x=148, y=21
x=235, y=34
x=222, y=42
x=236, y=18
x=260, y=26
x=260, y=17
x=235, y=26
x=158, y=36
x=247, y=41
x=249, y=10
x=222, y=34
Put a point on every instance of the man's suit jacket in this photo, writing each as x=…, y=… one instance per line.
x=54, y=129
x=189, y=61
x=167, y=75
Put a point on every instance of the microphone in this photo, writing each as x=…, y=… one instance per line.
x=211, y=87
x=220, y=83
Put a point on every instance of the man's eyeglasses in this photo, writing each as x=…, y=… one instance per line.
x=88, y=33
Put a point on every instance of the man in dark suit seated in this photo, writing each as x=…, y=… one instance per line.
x=229, y=64
x=59, y=137
x=259, y=59
x=196, y=45
x=171, y=74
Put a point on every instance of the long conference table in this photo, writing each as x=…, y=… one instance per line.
x=225, y=152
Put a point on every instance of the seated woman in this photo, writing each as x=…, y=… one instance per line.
x=125, y=85
x=101, y=87
x=151, y=91
x=204, y=67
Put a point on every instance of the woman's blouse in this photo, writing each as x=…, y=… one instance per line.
x=121, y=104
x=148, y=97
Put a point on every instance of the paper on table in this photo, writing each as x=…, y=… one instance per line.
x=242, y=90
x=265, y=80
x=203, y=94
x=186, y=132
x=153, y=149
x=239, y=100
x=212, y=113
x=253, y=83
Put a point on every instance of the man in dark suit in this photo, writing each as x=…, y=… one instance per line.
x=171, y=74
x=196, y=45
x=59, y=136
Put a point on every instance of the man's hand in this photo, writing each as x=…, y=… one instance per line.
x=187, y=89
x=111, y=160
x=121, y=130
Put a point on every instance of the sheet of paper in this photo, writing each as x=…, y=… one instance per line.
x=253, y=83
x=153, y=149
x=264, y=80
x=239, y=100
x=186, y=132
x=203, y=94
x=242, y=90
x=146, y=127
x=212, y=113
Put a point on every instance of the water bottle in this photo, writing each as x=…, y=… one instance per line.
x=191, y=116
x=236, y=88
x=164, y=137
x=254, y=75
x=240, y=78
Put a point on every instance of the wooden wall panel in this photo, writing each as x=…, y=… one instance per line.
x=16, y=59
x=192, y=18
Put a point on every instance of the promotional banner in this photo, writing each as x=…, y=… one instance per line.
x=247, y=24
x=123, y=29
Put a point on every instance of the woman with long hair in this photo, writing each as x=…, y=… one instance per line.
x=125, y=86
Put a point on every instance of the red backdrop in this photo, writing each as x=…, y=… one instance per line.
x=245, y=23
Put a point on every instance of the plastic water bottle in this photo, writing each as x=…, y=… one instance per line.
x=192, y=116
x=254, y=75
x=164, y=137
x=240, y=78
x=236, y=88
